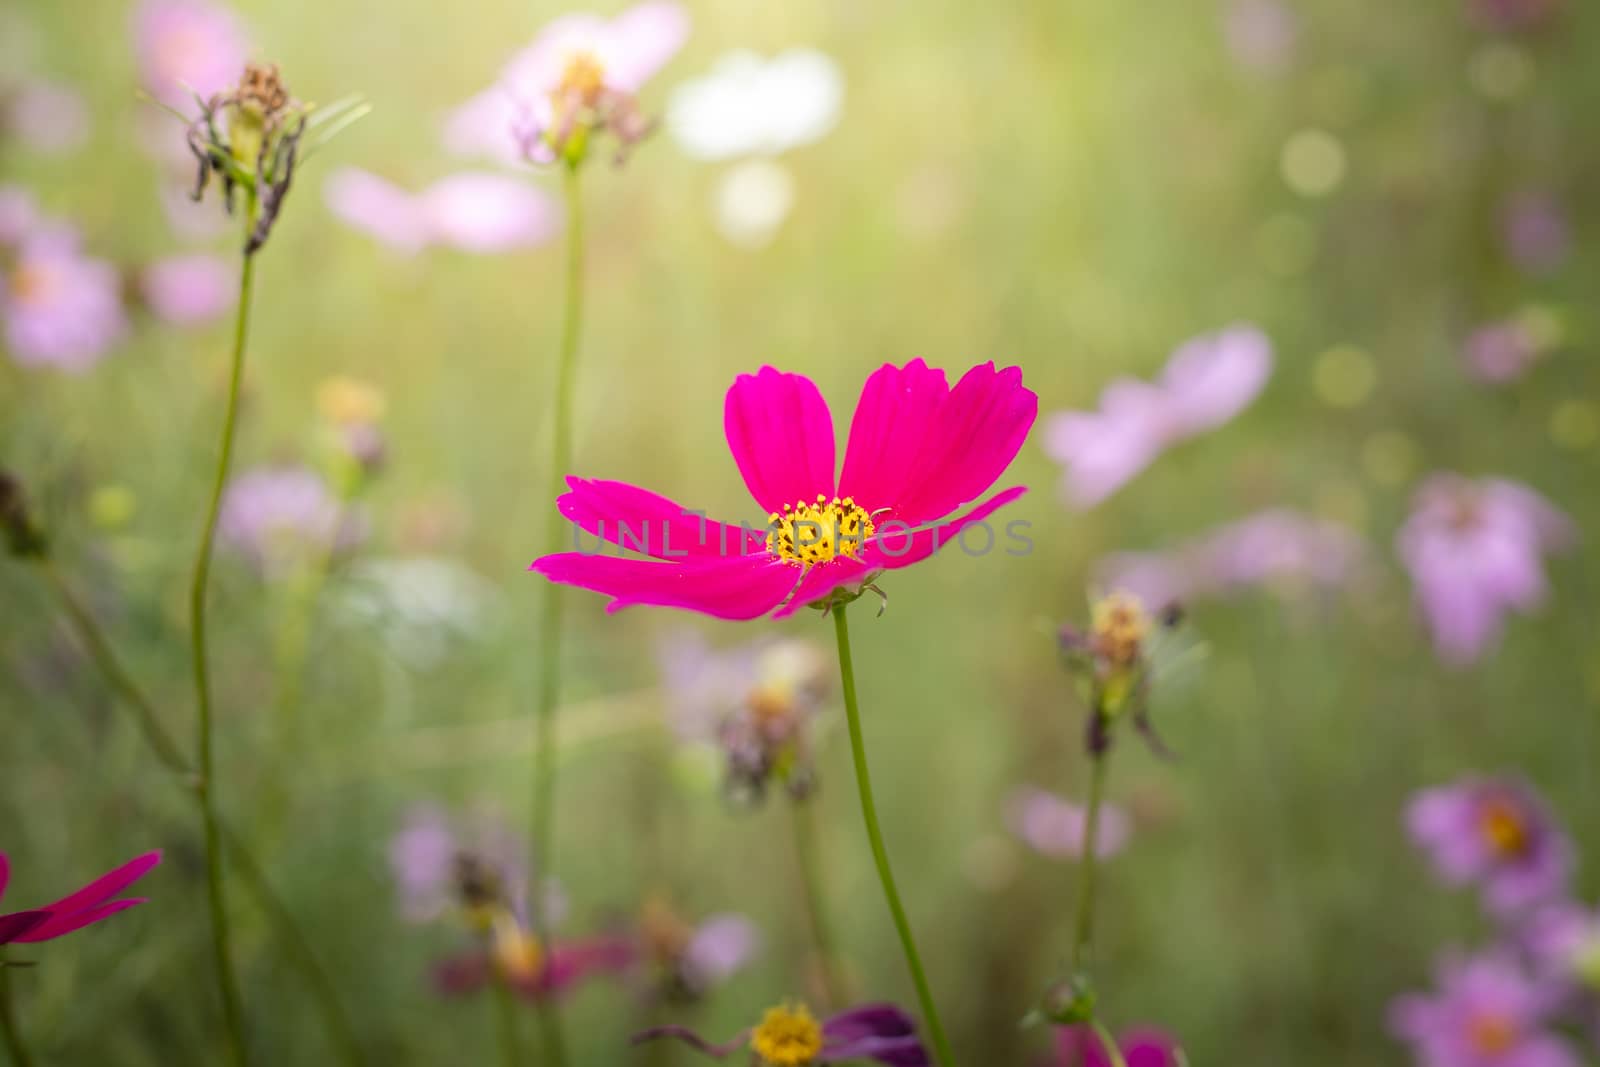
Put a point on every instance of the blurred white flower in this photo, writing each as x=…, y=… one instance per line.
x=421, y=605
x=751, y=202
x=748, y=105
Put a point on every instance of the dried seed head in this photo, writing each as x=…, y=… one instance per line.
x=23, y=538
x=261, y=88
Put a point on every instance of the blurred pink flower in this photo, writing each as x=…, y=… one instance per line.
x=279, y=517
x=47, y=117
x=1487, y=1012
x=440, y=863
x=1261, y=34
x=61, y=308
x=88, y=905
x=189, y=290
x=688, y=960
x=1563, y=942
x=1495, y=833
x=1207, y=382
x=578, y=63
x=1475, y=552
x=1536, y=232
x=1501, y=352
x=1508, y=16
x=1055, y=827
x=186, y=47
x=18, y=215
x=1143, y=1046
x=481, y=213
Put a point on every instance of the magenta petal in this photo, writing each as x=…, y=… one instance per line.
x=642, y=521
x=107, y=885
x=570, y=963
x=65, y=922
x=736, y=587
x=898, y=546
x=13, y=926
x=822, y=579
x=464, y=973
x=781, y=435
x=981, y=427
x=894, y=418
x=5, y=874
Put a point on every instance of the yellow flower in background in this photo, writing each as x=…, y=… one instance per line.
x=348, y=401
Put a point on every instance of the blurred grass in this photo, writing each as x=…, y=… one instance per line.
x=1074, y=187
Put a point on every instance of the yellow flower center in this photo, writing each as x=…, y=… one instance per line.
x=582, y=79
x=33, y=284
x=517, y=954
x=1491, y=1034
x=1503, y=826
x=1119, y=627
x=816, y=533
x=788, y=1036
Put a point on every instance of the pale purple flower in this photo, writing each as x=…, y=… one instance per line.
x=190, y=290
x=1507, y=16
x=440, y=863
x=1535, y=230
x=1056, y=828
x=1269, y=548
x=280, y=516
x=1501, y=352
x=1486, y=1012
x=1475, y=552
x=1496, y=834
x=1207, y=382
x=1261, y=34
x=482, y=213
x=721, y=947
x=579, y=62
x=61, y=308
x=186, y=47
x=1563, y=941
x=48, y=117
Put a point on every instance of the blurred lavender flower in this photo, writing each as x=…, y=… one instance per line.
x=1475, y=552
x=47, y=117
x=578, y=77
x=749, y=105
x=1508, y=16
x=692, y=960
x=1206, y=383
x=480, y=213
x=187, y=48
x=1501, y=352
x=1487, y=1012
x=755, y=702
x=1494, y=833
x=1261, y=34
x=1535, y=230
x=278, y=517
x=1143, y=1046
x=1563, y=943
x=1269, y=548
x=60, y=307
x=190, y=290
x=1055, y=827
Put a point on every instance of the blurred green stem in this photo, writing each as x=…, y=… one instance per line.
x=505, y=1012
x=805, y=845
x=544, y=755
x=1083, y=926
x=232, y=1012
x=880, y=855
x=1109, y=1043
x=167, y=752
x=20, y=1056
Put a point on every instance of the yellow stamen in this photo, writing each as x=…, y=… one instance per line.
x=1503, y=826
x=789, y=1036
x=517, y=954
x=1119, y=627
x=582, y=79
x=816, y=533
x=33, y=284
x=1491, y=1034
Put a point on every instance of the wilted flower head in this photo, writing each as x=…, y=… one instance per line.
x=191, y=289
x=578, y=79
x=61, y=308
x=92, y=903
x=1475, y=550
x=754, y=702
x=1144, y=1046
x=187, y=48
x=1494, y=833
x=1057, y=828
x=790, y=1036
x=281, y=516
x=1115, y=661
x=1206, y=383
x=748, y=105
x=1486, y=1012
x=479, y=213
x=45, y=116
x=690, y=960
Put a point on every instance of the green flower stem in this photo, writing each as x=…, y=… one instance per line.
x=1083, y=926
x=167, y=753
x=505, y=1014
x=544, y=756
x=1109, y=1043
x=222, y=952
x=9, y=1030
x=804, y=818
x=880, y=855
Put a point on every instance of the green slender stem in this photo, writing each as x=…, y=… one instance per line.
x=805, y=847
x=880, y=855
x=222, y=952
x=1109, y=1043
x=168, y=754
x=1083, y=925
x=505, y=1015
x=544, y=766
x=12, y=1033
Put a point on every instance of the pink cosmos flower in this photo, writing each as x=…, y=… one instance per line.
x=1475, y=551
x=186, y=47
x=60, y=307
x=75, y=911
x=581, y=68
x=46, y=116
x=1055, y=827
x=1501, y=352
x=918, y=451
x=1207, y=382
x=189, y=290
x=1495, y=833
x=481, y=213
x=1143, y=1046
x=278, y=516
x=1487, y=1012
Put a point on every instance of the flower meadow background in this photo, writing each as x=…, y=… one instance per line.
x=1381, y=223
